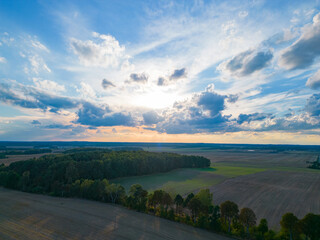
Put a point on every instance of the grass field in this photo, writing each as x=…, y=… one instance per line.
x=184, y=181
x=26, y=216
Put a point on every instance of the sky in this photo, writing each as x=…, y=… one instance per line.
x=160, y=71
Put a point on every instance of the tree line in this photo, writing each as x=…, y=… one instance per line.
x=44, y=174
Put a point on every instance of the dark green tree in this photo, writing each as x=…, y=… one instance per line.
x=289, y=223
x=248, y=218
x=178, y=201
x=229, y=210
x=195, y=206
x=188, y=198
x=310, y=226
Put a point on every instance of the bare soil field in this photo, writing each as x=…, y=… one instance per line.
x=259, y=159
x=29, y=216
x=272, y=193
x=17, y=158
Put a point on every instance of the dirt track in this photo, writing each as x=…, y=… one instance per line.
x=30, y=216
x=272, y=193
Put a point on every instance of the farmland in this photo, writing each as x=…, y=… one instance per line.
x=272, y=193
x=34, y=217
x=271, y=183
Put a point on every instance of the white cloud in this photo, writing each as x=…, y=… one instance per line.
x=3, y=60
x=104, y=51
x=38, y=45
x=314, y=81
x=243, y=14
x=303, y=52
x=86, y=91
x=38, y=64
x=48, y=85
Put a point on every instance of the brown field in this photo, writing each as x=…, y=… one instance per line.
x=272, y=193
x=29, y=216
x=260, y=159
x=17, y=158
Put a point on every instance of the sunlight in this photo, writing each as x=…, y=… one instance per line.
x=157, y=99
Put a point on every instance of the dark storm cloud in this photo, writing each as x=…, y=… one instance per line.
x=107, y=84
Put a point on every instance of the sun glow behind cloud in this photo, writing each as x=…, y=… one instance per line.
x=156, y=99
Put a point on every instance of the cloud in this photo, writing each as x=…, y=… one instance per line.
x=151, y=117
x=139, y=77
x=202, y=113
x=48, y=85
x=29, y=97
x=35, y=122
x=114, y=130
x=313, y=105
x=178, y=73
x=58, y=126
x=302, y=53
x=253, y=117
x=246, y=63
x=162, y=81
x=103, y=51
x=314, y=81
x=39, y=45
x=106, y=84
x=86, y=90
x=243, y=14
x=212, y=102
x=92, y=115
x=38, y=64
x=3, y=60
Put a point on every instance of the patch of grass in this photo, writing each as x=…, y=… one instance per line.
x=233, y=171
x=178, y=181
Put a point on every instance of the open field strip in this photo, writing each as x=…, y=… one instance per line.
x=186, y=180
x=25, y=216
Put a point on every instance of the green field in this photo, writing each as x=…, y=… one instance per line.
x=187, y=180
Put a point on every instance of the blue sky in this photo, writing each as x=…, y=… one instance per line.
x=164, y=71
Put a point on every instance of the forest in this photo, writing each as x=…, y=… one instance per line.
x=86, y=174
x=58, y=171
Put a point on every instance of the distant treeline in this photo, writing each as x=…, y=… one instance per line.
x=6, y=152
x=44, y=174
